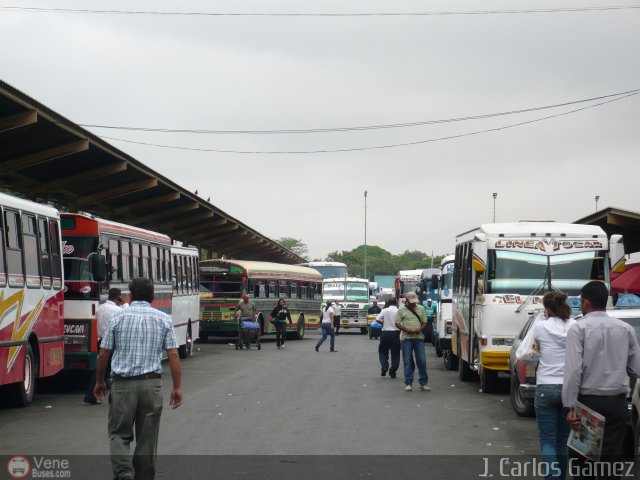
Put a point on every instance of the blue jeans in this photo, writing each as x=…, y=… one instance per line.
x=553, y=429
x=410, y=347
x=327, y=330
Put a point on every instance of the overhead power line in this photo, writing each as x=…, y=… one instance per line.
x=376, y=147
x=356, y=128
x=15, y=8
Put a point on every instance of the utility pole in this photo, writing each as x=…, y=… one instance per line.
x=597, y=198
x=365, y=235
x=495, y=195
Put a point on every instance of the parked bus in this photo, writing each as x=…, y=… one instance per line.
x=501, y=273
x=185, y=299
x=409, y=281
x=223, y=282
x=100, y=254
x=444, y=320
x=328, y=269
x=31, y=293
x=353, y=292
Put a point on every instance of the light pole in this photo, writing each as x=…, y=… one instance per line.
x=495, y=195
x=597, y=198
x=365, y=235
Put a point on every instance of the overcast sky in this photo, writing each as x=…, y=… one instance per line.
x=266, y=73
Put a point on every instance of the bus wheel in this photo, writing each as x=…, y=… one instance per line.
x=21, y=394
x=450, y=360
x=464, y=372
x=300, y=329
x=185, y=351
x=488, y=380
x=439, y=351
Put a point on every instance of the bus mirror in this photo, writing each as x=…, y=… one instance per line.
x=99, y=267
x=616, y=254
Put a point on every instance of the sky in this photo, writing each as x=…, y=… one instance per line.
x=248, y=73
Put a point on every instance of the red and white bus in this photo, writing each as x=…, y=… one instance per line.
x=101, y=254
x=31, y=298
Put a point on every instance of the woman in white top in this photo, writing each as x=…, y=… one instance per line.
x=550, y=335
x=327, y=327
x=389, y=339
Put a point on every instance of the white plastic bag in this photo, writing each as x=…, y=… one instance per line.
x=529, y=347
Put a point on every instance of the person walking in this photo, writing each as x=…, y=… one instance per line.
x=411, y=319
x=550, y=335
x=602, y=352
x=246, y=311
x=327, y=327
x=103, y=313
x=337, y=311
x=136, y=337
x=279, y=315
x=389, y=339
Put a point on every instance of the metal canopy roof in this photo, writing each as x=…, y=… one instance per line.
x=617, y=221
x=48, y=158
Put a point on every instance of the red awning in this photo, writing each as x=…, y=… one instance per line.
x=627, y=282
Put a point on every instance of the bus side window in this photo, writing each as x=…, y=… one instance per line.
x=272, y=291
x=3, y=271
x=114, y=257
x=56, y=259
x=135, y=260
x=14, y=249
x=125, y=260
x=45, y=252
x=144, y=259
x=31, y=254
x=154, y=265
x=294, y=290
x=189, y=274
x=176, y=275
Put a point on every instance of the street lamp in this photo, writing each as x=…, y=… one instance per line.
x=495, y=195
x=365, y=235
x=597, y=198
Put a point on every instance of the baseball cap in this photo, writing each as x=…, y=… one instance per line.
x=412, y=297
x=246, y=295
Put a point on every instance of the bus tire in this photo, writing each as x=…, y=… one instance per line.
x=439, y=351
x=185, y=351
x=464, y=372
x=488, y=380
x=20, y=394
x=300, y=329
x=450, y=360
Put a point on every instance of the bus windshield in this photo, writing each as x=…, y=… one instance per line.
x=221, y=285
x=522, y=273
x=357, y=291
x=447, y=281
x=333, y=291
x=572, y=271
x=331, y=271
x=76, y=251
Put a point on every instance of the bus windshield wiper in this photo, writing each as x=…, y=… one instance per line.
x=531, y=295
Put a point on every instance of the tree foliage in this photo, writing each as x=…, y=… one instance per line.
x=382, y=262
x=295, y=245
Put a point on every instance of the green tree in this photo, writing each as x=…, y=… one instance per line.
x=295, y=245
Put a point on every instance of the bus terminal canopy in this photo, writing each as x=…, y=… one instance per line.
x=48, y=158
x=617, y=221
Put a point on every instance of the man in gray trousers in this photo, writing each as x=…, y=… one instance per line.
x=135, y=338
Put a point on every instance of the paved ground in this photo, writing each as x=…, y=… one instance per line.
x=287, y=402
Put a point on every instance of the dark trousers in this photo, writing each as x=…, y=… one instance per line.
x=614, y=410
x=281, y=333
x=336, y=323
x=389, y=343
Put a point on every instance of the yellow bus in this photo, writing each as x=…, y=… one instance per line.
x=223, y=282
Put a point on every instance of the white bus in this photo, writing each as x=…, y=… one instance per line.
x=444, y=320
x=353, y=294
x=185, y=301
x=410, y=281
x=501, y=272
x=328, y=269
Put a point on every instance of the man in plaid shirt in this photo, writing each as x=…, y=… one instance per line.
x=135, y=338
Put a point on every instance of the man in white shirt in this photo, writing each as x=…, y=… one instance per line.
x=337, y=311
x=103, y=313
x=389, y=339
